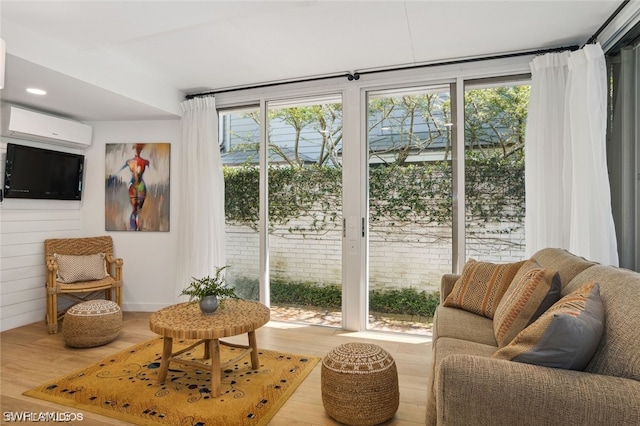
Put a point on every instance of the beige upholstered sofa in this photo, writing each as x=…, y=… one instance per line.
x=470, y=387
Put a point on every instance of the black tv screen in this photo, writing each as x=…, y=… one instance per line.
x=42, y=174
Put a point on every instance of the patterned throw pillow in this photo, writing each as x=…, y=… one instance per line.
x=73, y=269
x=565, y=336
x=481, y=286
x=533, y=291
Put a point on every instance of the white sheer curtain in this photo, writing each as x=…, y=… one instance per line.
x=567, y=185
x=201, y=229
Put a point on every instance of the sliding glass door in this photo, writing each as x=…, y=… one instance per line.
x=305, y=203
x=410, y=204
x=345, y=210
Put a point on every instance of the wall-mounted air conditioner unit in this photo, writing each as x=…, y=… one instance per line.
x=29, y=125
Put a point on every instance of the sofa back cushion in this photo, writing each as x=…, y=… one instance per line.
x=619, y=351
x=567, y=264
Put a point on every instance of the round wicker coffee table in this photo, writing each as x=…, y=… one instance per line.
x=185, y=321
x=359, y=384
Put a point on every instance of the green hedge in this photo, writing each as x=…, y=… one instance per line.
x=305, y=294
x=398, y=195
x=406, y=301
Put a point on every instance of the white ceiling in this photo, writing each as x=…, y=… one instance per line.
x=130, y=60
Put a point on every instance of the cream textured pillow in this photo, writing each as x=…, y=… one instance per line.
x=481, y=286
x=566, y=336
x=73, y=269
x=533, y=291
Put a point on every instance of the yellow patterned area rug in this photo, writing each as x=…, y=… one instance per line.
x=123, y=386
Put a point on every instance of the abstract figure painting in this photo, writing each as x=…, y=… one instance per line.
x=137, y=181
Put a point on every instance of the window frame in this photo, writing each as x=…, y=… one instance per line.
x=355, y=208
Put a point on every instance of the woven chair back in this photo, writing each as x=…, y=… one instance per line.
x=78, y=246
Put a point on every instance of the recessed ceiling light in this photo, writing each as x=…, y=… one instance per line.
x=35, y=91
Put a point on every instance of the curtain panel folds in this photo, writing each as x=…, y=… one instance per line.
x=201, y=229
x=568, y=198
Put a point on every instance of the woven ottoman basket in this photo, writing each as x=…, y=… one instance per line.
x=359, y=384
x=92, y=323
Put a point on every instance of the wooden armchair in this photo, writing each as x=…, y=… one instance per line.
x=76, y=269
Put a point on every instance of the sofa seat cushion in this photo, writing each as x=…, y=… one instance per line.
x=461, y=324
x=446, y=346
x=481, y=286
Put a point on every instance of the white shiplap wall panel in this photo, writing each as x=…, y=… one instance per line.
x=13, y=239
x=24, y=225
x=22, y=313
x=23, y=297
x=7, y=275
x=11, y=250
x=22, y=284
x=43, y=225
x=23, y=261
x=30, y=215
x=24, y=307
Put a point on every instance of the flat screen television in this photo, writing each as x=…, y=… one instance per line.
x=42, y=174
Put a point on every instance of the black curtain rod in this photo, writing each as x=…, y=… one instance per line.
x=595, y=35
x=356, y=75
x=260, y=86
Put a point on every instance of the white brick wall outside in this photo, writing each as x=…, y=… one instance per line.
x=392, y=264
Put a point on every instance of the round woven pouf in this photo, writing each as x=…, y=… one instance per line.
x=92, y=323
x=359, y=384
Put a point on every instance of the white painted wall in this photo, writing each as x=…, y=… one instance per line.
x=149, y=257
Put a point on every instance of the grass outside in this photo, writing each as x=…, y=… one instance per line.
x=399, y=310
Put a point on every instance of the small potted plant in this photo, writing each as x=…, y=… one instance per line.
x=208, y=289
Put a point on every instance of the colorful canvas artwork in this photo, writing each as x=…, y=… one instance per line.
x=137, y=187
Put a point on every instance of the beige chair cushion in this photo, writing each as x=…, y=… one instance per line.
x=80, y=268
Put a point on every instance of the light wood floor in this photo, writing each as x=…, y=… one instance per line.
x=30, y=356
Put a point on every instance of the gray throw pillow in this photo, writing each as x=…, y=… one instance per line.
x=565, y=336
